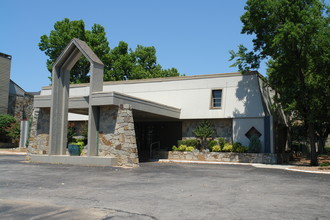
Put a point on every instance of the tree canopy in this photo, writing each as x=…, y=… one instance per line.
x=294, y=37
x=120, y=63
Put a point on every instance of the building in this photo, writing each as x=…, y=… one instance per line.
x=13, y=99
x=127, y=119
x=5, y=63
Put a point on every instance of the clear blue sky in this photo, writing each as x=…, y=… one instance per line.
x=192, y=36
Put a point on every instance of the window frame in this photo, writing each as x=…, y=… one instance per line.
x=212, y=99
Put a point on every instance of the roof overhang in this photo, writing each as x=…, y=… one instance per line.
x=80, y=104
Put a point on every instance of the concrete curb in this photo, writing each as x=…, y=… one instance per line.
x=257, y=165
x=308, y=171
x=12, y=153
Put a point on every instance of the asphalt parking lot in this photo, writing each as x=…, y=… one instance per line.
x=159, y=191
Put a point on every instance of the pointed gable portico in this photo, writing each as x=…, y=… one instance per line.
x=60, y=96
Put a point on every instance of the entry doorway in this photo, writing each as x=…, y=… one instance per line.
x=156, y=136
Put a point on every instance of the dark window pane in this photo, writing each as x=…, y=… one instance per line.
x=216, y=98
x=216, y=93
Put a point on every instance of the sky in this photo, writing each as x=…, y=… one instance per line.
x=194, y=36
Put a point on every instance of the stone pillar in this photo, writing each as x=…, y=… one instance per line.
x=117, y=135
x=93, y=120
x=39, y=133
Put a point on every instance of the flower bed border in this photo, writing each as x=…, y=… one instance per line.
x=265, y=158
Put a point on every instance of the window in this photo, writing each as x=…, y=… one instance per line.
x=216, y=98
x=252, y=132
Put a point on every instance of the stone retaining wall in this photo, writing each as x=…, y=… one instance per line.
x=218, y=157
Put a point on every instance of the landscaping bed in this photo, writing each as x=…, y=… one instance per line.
x=218, y=156
x=302, y=163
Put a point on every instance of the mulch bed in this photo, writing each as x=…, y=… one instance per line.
x=302, y=163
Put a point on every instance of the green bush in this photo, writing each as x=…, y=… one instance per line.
x=9, y=128
x=327, y=150
x=203, y=131
x=211, y=143
x=5, y=122
x=228, y=147
x=324, y=164
x=222, y=142
x=241, y=149
x=190, y=148
x=254, y=145
x=183, y=148
x=188, y=142
x=71, y=132
x=216, y=148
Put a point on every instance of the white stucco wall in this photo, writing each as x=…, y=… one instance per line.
x=240, y=94
x=242, y=125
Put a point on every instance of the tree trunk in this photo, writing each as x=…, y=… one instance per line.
x=311, y=134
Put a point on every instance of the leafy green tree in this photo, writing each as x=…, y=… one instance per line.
x=64, y=31
x=294, y=37
x=121, y=63
x=203, y=131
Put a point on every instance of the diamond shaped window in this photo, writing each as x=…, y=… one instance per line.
x=252, y=132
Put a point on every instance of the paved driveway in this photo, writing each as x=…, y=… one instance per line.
x=159, y=191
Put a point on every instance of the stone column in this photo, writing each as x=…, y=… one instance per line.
x=39, y=131
x=117, y=135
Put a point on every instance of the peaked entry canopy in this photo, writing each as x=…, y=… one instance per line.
x=60, y=95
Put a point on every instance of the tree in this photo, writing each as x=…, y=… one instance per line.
x=120, y=63
x=294, y=37
x=203, y=131
x=64, y=31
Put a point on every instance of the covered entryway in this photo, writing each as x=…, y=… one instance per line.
x=156, y=136
x=155, y=132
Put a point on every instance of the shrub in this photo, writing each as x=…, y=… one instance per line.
x=9, y=128
x=190, y=148
x=189, y=142
x=237, y=145
x=5, y=122
x=327, y=150
x=84, y=132
x=241, y=149
x=71, y=132
x=324, y=164
x=222, y=142
x=211, y=143
x=13, y=132
x=228, y=147
x=216, y=148
x=255, y=144
x=203, y=131
x=183, y=148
